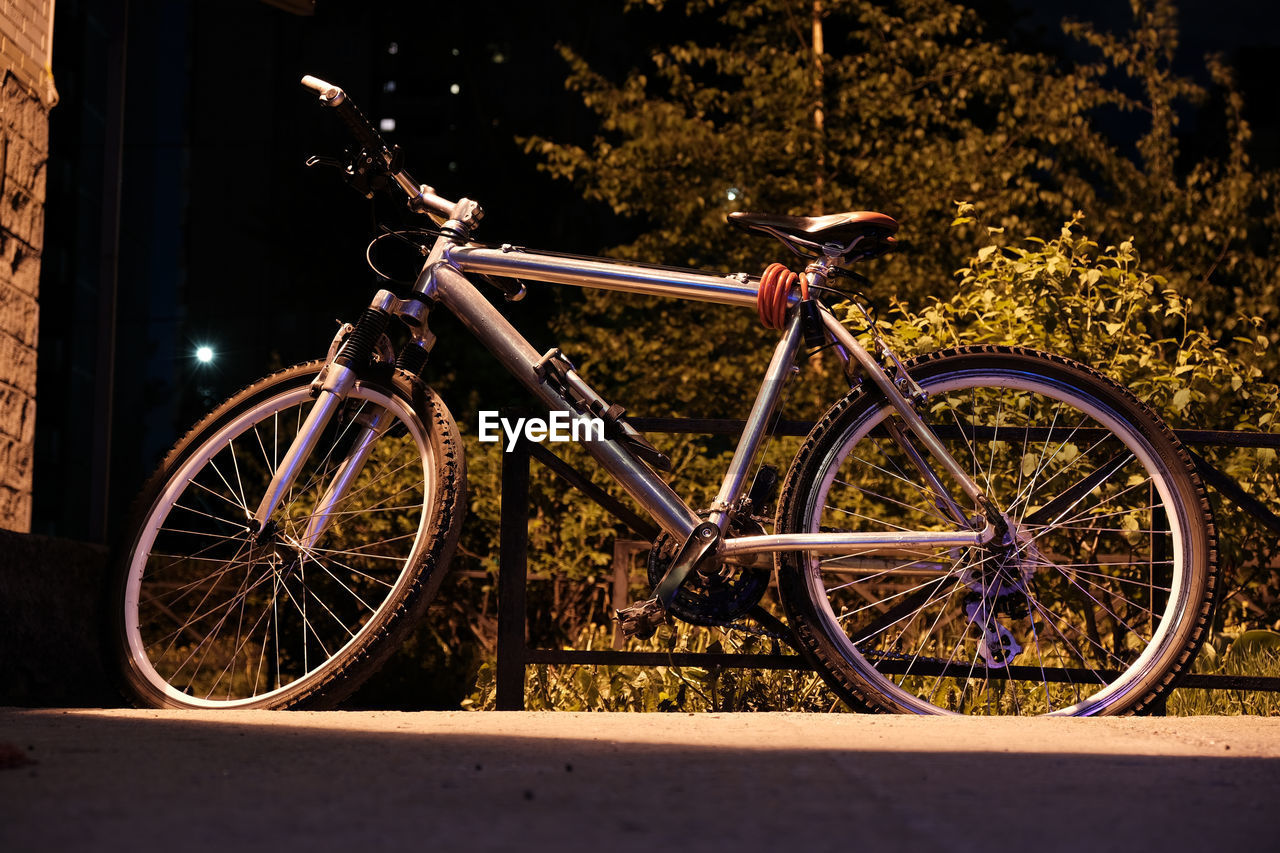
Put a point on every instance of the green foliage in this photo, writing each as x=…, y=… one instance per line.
x=1251, y=653
x=903, y=107
x=664, y=688
x=578, y=535
x=1101, y=306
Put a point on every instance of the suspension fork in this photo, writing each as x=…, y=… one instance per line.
x=914, y=426
x=372, y=426
x=335, y=382
x=338, y=381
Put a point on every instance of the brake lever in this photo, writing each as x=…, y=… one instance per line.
x=317, y=160
x=361, y=170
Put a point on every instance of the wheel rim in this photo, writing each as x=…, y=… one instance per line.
x=216, y=616
x=1102, y=575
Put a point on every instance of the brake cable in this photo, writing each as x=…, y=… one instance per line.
x=401, y=236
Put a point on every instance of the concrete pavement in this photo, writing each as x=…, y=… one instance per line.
x=106, y=780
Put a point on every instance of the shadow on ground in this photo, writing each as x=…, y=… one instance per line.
x=462, y=782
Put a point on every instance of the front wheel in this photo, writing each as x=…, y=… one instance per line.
x=209, y=612
x=1092, y=600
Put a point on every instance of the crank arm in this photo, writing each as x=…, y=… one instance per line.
x=642, y=619
x=702, y=542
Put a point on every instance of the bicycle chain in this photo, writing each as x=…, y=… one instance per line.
x=870, y=654
x=750, y=626
x=876, y=654
x=747, y=625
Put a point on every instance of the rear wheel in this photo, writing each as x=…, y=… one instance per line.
x=208, y=612
x=1093, y=601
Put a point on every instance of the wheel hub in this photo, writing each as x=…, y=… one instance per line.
x=269, y=549
x=997, y=577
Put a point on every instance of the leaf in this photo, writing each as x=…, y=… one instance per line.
x=1029, y=463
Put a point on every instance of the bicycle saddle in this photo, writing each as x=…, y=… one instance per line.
x=863, y=233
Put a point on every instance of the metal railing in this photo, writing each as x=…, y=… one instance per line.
x=514, y=654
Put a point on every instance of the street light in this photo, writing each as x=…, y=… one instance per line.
x=204, y=354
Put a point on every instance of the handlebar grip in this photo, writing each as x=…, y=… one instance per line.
x=327, y=91
x=422, y=198
x=333, y=96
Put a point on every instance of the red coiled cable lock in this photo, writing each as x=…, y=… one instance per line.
x=775, y=286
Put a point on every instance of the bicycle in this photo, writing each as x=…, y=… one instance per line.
x=980, y=530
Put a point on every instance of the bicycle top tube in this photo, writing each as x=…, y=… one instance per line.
x=739, y=289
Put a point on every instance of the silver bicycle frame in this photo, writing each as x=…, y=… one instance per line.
x=443, y=280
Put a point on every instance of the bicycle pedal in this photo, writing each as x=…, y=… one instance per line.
x=641, y=620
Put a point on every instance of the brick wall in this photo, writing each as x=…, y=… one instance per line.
x=26, y=94
x=26, y=48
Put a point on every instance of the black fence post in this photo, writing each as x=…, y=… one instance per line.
x=513, y=575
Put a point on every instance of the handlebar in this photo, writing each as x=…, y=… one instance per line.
x=422, y=198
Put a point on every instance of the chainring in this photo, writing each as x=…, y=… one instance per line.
x=711, y=597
